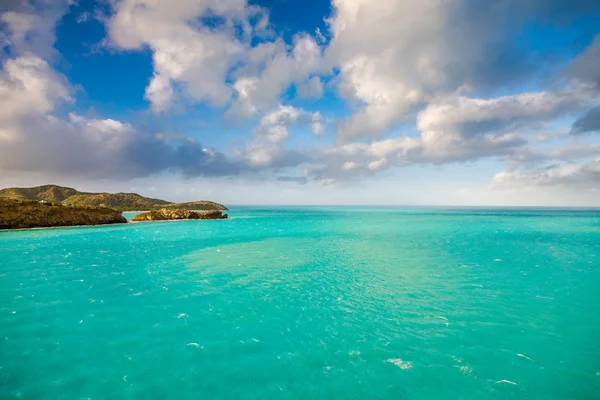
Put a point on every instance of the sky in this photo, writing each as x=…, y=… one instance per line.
x=333, y=102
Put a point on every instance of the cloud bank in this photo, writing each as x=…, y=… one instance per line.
x=387, y=85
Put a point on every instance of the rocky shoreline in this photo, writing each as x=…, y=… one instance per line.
x=26, y=214
x=178, y=214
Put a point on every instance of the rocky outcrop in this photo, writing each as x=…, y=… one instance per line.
x=16, y=214
x=166, y=214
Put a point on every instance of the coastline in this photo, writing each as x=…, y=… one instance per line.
x=119, y=224
x=62, y=227
x=112, y=224
x=175, y=220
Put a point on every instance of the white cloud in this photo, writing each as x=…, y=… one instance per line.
x=395, y=56
x=160, y=93
x=266, y=156
x=274, y=126
x=581, y=176
x=101, y=125
x=316, y=124
x=29, y=87
x=184, y=51
x=260, y=156
x=29, y=29
x=378, y=164
x=282, y=67
x=196, y=62
x=366, y=159
x=389, y=53
x=472, y=116
x=396, y=61
x=460, y=129
x=33, y=139
x=348, y=165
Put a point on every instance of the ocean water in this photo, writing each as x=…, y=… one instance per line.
x=306, y=303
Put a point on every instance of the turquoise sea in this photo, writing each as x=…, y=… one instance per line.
x=306, y=303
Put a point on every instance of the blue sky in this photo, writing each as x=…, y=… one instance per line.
x=276, y=102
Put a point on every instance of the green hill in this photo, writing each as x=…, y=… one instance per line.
x=19, y=214
x=119, y=201
x=51, y=193
x=129, y=201
x=197, y=205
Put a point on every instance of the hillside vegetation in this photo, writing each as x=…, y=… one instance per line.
x=118, y=201
x=129, y=201
x=50, y=193
x=19, y=214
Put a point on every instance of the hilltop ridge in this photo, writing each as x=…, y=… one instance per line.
x=118, y=201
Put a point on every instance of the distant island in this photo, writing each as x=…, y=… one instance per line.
x=21, y=214
x=67, y=196
x=52, y=205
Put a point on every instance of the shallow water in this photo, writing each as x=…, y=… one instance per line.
x=374, y=303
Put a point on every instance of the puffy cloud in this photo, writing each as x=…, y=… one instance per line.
x=582, y=176
x=348, y=165
x=184, y=50
x=33, y=139
x=395, y=56
x=160, y=93
x=460, y=129
x=282, y=66
x=472, y=116
x=266, y=150
x=29, y=87
x=390, y=54
x=105, y=149
x=394, y=61
x=566, y=151
x=197, y=61
x=378, y=164
x=28, y=29
x=358, y=160
x=267, y=156
x=274, y=126
x=316, y=124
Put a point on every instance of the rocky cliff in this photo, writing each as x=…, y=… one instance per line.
x=170, y=214
x=15, y=214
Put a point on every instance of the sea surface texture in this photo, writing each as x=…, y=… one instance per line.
x=306, y=303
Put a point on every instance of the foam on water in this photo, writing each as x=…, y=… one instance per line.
x=505, y=381
x=297, y=303
x=400, y=364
